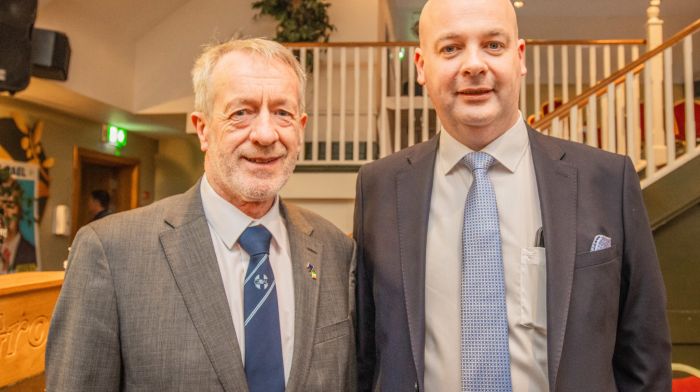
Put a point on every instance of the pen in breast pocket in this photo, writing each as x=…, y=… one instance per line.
x=539, y=238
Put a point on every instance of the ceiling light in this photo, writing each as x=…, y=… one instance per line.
x=518, y=3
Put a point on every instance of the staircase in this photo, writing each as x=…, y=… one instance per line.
x=364, y=104
x=645, y=110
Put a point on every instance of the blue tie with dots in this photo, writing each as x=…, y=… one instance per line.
x=485, y=359
x=264, y=367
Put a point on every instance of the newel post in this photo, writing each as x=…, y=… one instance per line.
x=654, y=39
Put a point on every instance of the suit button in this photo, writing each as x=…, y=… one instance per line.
x=415, y=386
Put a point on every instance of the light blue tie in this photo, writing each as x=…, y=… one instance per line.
x=264, y=368
x=484, y=352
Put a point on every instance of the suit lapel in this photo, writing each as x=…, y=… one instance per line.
x=413, y=191
x=189, y=250
x=557, y=186
x=305, y=250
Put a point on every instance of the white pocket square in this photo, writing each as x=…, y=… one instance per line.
x=600, y=242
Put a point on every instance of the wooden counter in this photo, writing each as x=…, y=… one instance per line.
x=26, y=303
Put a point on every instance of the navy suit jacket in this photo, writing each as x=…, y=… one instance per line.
x=606, y=320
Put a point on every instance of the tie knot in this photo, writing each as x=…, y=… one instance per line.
x=478, y=160
x=255, y=240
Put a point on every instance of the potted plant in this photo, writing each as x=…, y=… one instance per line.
x=297, y=20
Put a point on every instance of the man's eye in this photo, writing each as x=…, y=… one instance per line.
x=283, y=113
x=449, y=49
x=494, y=45
x=239, y=113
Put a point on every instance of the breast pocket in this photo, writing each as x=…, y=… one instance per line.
x=599, y=257
x=333, y=331
x=533, y=278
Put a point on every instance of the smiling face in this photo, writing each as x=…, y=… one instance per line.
x=471, y=62
x=253, y=132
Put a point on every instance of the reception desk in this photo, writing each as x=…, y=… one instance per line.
x=26, y=304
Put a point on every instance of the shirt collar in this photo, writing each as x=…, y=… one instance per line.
x=229, y=222
x=508, y=149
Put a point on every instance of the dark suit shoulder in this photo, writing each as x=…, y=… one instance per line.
x=578, y=154
x=417, y=154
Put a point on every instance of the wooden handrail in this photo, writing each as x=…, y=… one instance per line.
x=615, y=77
x=533, y=42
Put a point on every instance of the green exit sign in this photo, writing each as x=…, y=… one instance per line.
x=116, y=136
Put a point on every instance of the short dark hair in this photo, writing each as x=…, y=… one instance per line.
x=101, y=196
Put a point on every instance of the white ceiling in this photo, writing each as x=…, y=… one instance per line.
x=130, y=19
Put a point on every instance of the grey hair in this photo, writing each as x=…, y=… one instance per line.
x=270, y=50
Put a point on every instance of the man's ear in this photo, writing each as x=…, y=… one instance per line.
x=419, y=61
x=521, y=57
x=199, y=121
x=302, y=127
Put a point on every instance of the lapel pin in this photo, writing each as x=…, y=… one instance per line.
x=312, y=271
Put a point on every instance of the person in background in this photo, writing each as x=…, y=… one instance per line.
x=225, y=287
x=493, y=257
x=98, y=204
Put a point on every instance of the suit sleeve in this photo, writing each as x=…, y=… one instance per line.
x=83, y=351
x=643, y=349
x=366, y=354
x=352, y=284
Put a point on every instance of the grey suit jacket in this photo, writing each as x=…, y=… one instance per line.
x=143, y=306
x=606, y=320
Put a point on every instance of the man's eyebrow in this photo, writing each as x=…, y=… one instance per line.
x=447, y=36
x=498, y=33
x=236, y=102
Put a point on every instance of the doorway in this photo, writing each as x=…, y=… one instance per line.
x=94, y=170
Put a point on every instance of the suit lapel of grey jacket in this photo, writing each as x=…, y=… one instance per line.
x=190, y=253
x=413, y=190
x=304, y=250
x=557, y=186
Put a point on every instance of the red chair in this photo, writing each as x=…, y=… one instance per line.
x=679, y=116
x=678, y=120
x=690, y=383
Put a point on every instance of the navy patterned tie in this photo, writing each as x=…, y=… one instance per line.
x=264, y=368
x=485, y=359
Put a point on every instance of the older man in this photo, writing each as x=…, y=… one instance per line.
x=224, y=287
x=494, y=258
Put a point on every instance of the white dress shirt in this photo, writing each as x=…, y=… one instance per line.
x=226, y=224
x=517, y=198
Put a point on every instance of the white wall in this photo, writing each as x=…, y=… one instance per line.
x=331, y=195
x=101, y=63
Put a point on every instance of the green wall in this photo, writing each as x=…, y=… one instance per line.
x=179, y=164
x=61, y=133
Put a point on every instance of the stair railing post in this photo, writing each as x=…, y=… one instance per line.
x=654, y=39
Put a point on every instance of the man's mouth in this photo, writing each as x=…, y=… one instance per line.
x=261, y=160
x=475, y=91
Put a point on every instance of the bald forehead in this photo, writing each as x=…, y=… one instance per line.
x=437, y=12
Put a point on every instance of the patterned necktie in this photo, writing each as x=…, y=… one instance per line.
x=264, y=367
x=484, y=352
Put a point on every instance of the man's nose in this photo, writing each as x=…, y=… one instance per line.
x=473, y=62
x=263, y=131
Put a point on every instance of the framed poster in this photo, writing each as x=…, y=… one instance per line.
x=19, y=245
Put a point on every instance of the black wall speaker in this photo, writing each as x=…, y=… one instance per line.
x=50, y=54
x=16, y=23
